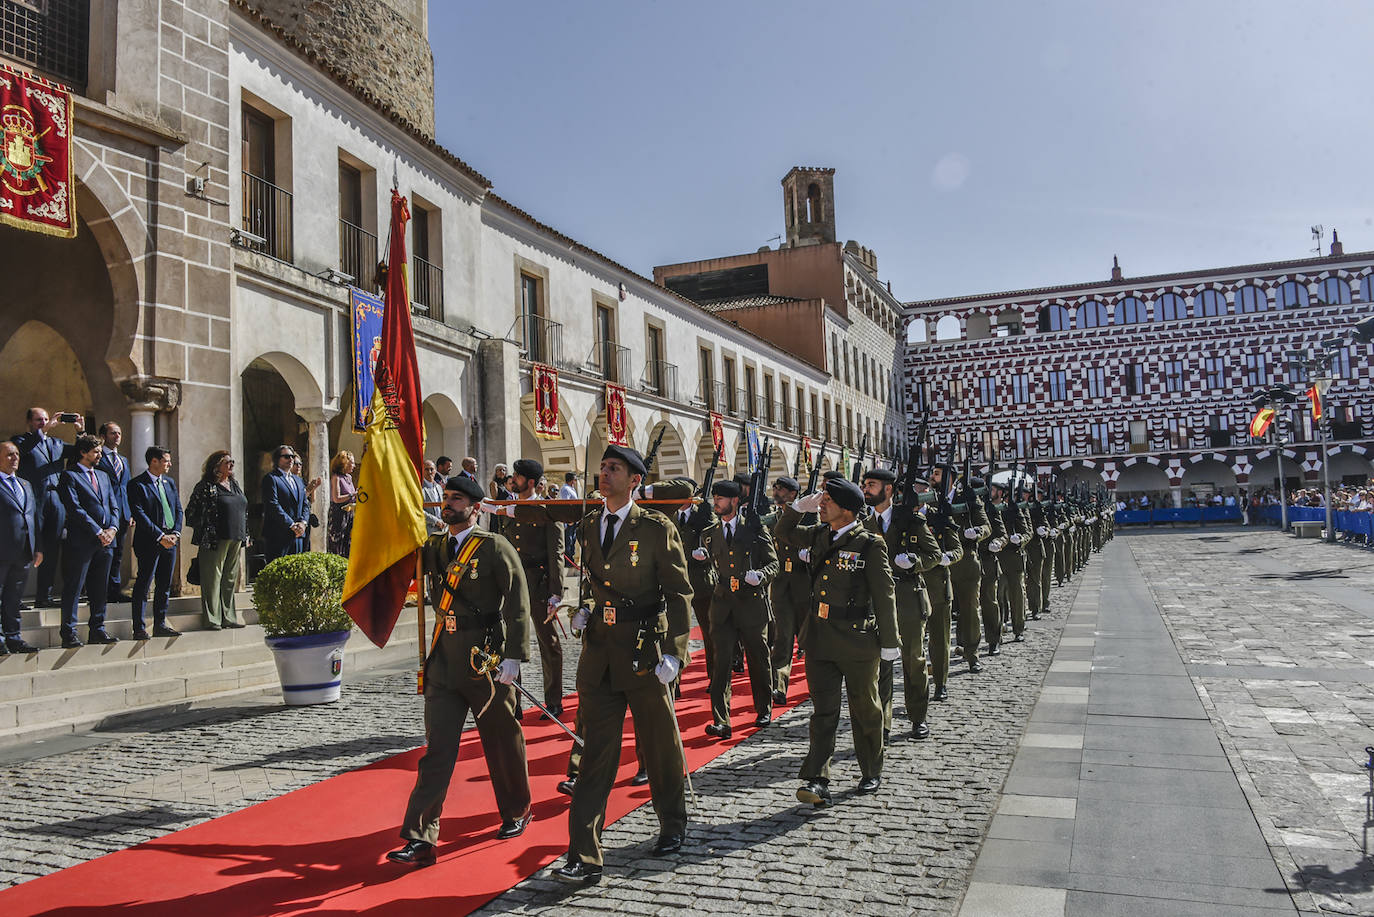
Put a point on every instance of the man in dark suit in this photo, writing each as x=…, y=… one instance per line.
x=285, y=508
x=18, y=547
x=92, y=521
x=113, y=464
x=153, y=499
x=41, y=460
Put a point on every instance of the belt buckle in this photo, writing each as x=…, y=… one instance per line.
x=822, y=610
x=734, y=584
x=608, y=614
x=787, y=565
x=451, y=624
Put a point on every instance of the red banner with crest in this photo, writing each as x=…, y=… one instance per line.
x=718, y=433
x=546, y=401
x=617, y=425
x=37, y=190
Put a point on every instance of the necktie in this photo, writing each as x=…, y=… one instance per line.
x=95, y=485
x=729, y=534
x=168, y=520
x=833, y=535
x=882, y=524
x=118, y=465
x=452, y=546
x=14, y=489
x=609, y=538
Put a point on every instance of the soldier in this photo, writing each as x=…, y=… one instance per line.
x=745, y=563
x=692, y=526
x=852, y=628
x=634, y=623
x=913, y=550
x=481, y=606
x=540, y=546
x=1011, y=560
x=965, y=575
x=939, y=591
x=1047, y=541
x=987, y=559
x=1035, y=550
x=790, y=593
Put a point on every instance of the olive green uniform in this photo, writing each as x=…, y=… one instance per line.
x=701, y=573
x=987, y=584
x=939, y=592
x=487, y=607
x=1035, y=557
x=740, y=612
x=910, y=536
x=1011, y=562
x=790, y=597
x=853, y=617
x=540, y=546
x=966, y=576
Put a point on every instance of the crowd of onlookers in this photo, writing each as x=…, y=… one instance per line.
x=1346, y=498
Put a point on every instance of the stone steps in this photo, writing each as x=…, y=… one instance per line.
x=57, y=692
x=42, y=626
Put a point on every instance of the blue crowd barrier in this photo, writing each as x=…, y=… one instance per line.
x=1221, y=514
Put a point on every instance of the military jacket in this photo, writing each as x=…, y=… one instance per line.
x=951, y=542
x=911, y=537
x=701, y=572
x=1015, y=520
x=488, y=602
x=790, y=564
x=853, y=608
x=540, y=546
x=971, y=515
x=751, y=548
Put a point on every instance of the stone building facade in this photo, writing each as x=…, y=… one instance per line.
x=1144, y=384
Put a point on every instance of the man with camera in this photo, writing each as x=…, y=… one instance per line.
x=157, y=513
x=42, y=458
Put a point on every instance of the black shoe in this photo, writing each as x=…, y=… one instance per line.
x=941, y=693
x=514, y=827
x=71, y=642
x=718, y=731
x=162, y=630
x=212, y=627
x=994, y=649
x=868, y=785
x=46, y=602
x=25, y=606
x=975, y=666
x=738, y=666
x=1019, y=638
x=100, y=638
x=141, y=634
x=556, y=711
x=20, y=646
x=815, y=793
x=666, y=844
x=920, y=731
x=779, y=698
x=414, y=853
x=234, y=624
x=566, y=787
x=116, y=597
x=578, y=872
x=1035, y=616
x=4, y=648
x=763, y=720
x=640, y=778
x=887, y=736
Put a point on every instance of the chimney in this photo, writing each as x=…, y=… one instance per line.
x=1116, y=270
x=1336, y=247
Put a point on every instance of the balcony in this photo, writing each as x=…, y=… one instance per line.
x=739, y=404
x=267, y=216
x=427, y=289
x=718, y=397
x=358, y=255
x=543, y=339
x=612, y=361
x=660, y=378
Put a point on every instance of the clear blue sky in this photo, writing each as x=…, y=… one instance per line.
x=979, y=146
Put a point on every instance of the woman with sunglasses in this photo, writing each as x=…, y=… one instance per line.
x=218, y=515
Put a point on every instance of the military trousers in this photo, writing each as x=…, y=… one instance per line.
x=701, y=610
x=1046, y=573
x=1061, y=558
x=602, y=711
x=913, y=612
x=725, y=633
x=1012, y=581
x=987, y=598
x=940, y=597
x=575, y=753
x=550, y=645
x=1035, y=562
x=829, y=680
x=503, y=745
x=965, y=580
x=791, y=598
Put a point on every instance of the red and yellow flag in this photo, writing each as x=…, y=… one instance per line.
x=389, y=522
x=1314, y=394
x=1260, y=425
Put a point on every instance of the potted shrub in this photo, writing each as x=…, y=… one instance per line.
x=299, y=604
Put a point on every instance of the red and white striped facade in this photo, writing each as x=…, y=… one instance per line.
x=1192, y=346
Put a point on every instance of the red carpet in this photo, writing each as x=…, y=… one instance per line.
x=320, y=850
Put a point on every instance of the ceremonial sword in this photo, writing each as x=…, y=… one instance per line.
x=486, y=663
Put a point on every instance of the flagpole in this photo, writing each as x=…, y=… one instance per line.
x=420, y=618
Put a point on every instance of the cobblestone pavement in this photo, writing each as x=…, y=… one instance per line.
x=1278, y=636
x=908, y=848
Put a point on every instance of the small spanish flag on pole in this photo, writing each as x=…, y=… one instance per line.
x=1260, y=425
x=1315, y=395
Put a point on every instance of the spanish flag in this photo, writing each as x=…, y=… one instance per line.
x=1260, y=425
x=389, y=522
x=1315, y=394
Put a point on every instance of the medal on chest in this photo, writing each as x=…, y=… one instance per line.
x=634, y=554
x=849, y=561
x=473, y=569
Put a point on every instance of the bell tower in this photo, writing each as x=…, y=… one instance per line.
x=808, y=197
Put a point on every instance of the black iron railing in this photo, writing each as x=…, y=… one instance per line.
x=267, y=217
x=358, y=255
x=427, y=289
x=660, y=378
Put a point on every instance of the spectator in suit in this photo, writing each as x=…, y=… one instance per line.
x=469, y=468
x=158, y=519
x=285, y=508
x=18, y=547
x=92, y=521
x=443, y=467
x=41, y=460
x=218, y=515
x=113, y=464
x=433, y=492
x=314, y=521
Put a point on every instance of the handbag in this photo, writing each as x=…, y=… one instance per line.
x=193, y=571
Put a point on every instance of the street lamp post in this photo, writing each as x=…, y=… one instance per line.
x=1279, y=442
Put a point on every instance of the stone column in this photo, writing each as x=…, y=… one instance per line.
x=147, y=397
x=316, y=465
x=498, y=422
x=141, y=436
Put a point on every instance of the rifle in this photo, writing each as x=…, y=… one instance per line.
x=703, y=510
x=653, y=451
x=811, y=482
x=754, y=509
x=857, y=474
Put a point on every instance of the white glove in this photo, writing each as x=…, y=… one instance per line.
x=580, y=619
x=699, y=554
x=508, y=671
x=645, y=492
x=1015, y=538
x=667, y=669
x=486, y=506
x=890, y=653
x=904, y=561
x=804, y=555
x=555, y=599
x=971, y=534
x=1041, y=531
x=995, y=545
x=946, y=559
x=807, y=504
x=753, y=577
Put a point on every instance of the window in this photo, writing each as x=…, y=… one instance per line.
x=814, y=413
x=660, y=375
x=1256, y=369
x=785, y=391
x=1175, y=375
x=1216, y=372
x=769, y=413
x=357, y=246
x=1058, y=382
x=1297, y=373
x=1251, y=299
x=1098, y=438
x=1139, y=436
x=956, y=393
x=1131, y=311
x=1053, y=318
x=1367, y=288
x=1334, y=291
x=977, y=326
x=426, y=276
x=750, y=394
x=1009, y=322
x=52, y=37
x=1020, y=389
x=947, y=328
x=1177, y=429
x=1219, y=431
x=266, y=207
x=1097, y=382
x=1092, y=314
x=922, y=397
x=1023, y=442
x=704, y=367
x=1340, y=363
x=1210, y=302
x=727, y=375
x=992, y=445
x=987, y=391
x=1170, y=307
x=845, y=360
x=1062, y=440
x=611, y=358
x=1293, y=295
x=828, y=431
x=1134, y=374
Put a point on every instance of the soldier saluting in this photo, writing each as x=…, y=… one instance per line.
x=482, y=609
x=853, y=626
